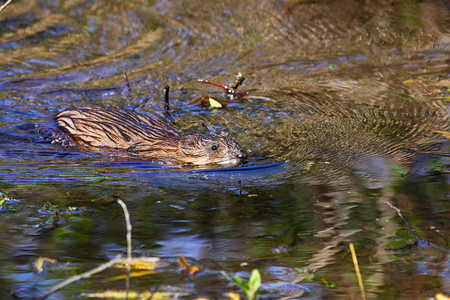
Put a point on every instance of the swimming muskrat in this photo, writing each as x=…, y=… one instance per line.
x=127, y=131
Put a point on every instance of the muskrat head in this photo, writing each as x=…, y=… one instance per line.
x=218, y=148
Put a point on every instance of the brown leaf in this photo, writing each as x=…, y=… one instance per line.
x=187, y=268
x=40, y=262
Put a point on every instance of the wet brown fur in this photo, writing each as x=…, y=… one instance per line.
x=134, y=133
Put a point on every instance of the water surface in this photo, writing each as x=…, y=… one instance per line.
x=347, y=108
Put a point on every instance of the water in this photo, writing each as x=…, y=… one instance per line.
x=347, y=109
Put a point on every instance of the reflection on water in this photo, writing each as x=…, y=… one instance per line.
x=347, y=109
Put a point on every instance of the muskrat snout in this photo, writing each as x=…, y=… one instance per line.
x=242, y=156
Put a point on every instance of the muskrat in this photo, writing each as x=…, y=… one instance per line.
x=114, y=129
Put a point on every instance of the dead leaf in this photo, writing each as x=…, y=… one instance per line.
x=139, y=263
x=120, y=294
x=441, y=296
x=234, y=296
x=187, y=268
x=132, y=275
x=40, y=262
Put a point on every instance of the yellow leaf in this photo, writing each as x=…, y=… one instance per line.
x=132, y=275
x=39, y=263
x=187, y=268
x=214, y=103
x=441, y=296
x=120, y=294
x=234, y=296
x=139, y=263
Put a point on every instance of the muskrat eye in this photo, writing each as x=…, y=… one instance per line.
x=214, y=147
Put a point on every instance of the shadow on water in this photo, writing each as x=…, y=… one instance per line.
x=347, y=109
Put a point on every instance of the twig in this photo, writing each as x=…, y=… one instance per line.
x=240, y=187
x=125, y=76
x=166, y=101
x=238, y=80
x=166, y=104
x=84, y=275
x=5, y=5
x=129, y=227
x=117, y=259
x=233, y=93
x=127, y=221
x=358, y=273
x=399, y=213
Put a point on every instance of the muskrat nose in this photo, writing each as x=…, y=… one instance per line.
x=242, y=156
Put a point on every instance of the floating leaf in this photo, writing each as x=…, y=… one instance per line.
x=140, y=263
x=441, y=296
x=40, y=263
x=120, y=294
x=131, y=275
x=280, y=249
x=187, y=268
x=234, y=296
x=214, y=103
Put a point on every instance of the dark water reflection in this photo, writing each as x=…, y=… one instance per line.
x=347, y=109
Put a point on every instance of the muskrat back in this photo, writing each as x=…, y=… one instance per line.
x=134, y=133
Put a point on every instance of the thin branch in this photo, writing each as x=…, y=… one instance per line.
x=5, y=5
x=84, y=275
x=117, y=259
x=238, y=80
x=399, y=213
x=233, y=93
x=358, y=273
x=125, y=76
x=129, y=227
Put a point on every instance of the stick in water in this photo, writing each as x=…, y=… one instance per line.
x=166, y=101
x=84, y=275
x=5, y=5
x=129, y=227
x=234, y=93
x=358, y=273
x=399, y=213
x=102, y=267
x=125, y=76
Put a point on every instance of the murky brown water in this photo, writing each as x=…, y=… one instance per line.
x=347, y=108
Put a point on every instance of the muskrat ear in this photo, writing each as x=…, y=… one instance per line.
x=224, y=133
